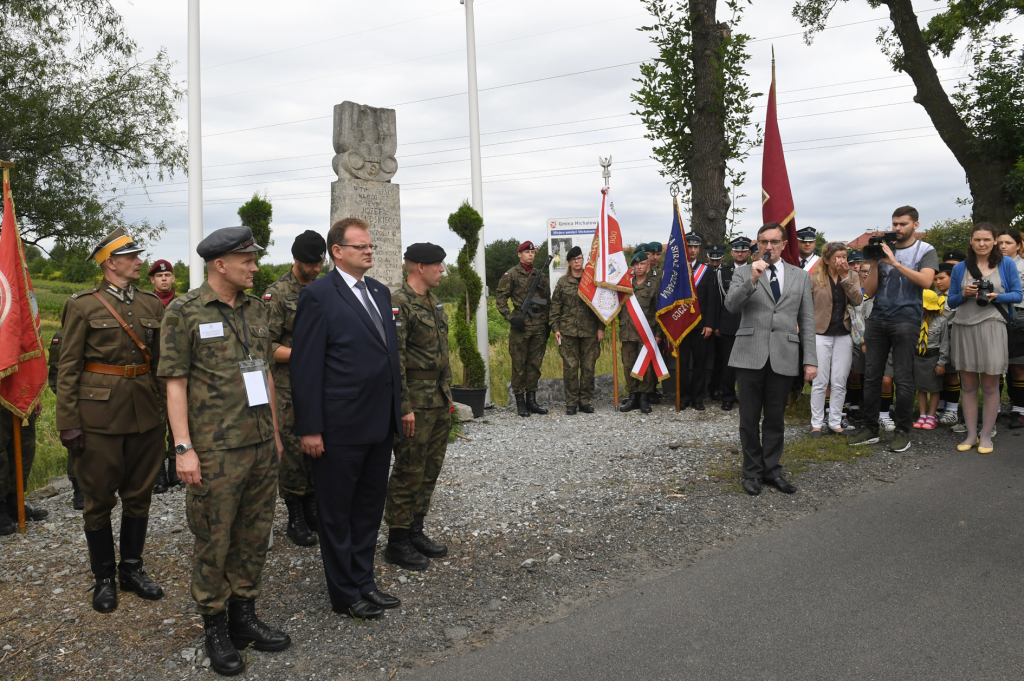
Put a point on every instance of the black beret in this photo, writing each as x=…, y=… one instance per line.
x=946, y=267
x=309, y=247
x=227, y=240
x=954, y=255
x=425, y=253
x=574, y=252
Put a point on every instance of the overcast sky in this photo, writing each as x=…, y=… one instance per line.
x=856, y=145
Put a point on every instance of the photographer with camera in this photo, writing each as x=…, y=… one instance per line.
x=905, y=267
x=979, y=332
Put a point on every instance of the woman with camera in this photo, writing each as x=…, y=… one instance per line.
x=1009, y=242
x=978, y=347
x=834, y=287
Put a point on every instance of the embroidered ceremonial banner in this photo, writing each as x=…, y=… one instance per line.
x=22, y=363
x=605, y=283
x=649, y=352
x=776, y=196
x=678, y=308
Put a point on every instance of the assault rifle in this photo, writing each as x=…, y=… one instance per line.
x=526, y=311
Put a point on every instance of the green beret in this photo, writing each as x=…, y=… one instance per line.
x=639, y=256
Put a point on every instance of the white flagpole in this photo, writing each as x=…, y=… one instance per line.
x=479, y=265
x=195, y=150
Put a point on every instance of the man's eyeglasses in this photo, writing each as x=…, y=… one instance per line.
x=773, y=242
x=360, y=247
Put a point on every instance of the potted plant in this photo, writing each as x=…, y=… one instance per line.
x=467, y=223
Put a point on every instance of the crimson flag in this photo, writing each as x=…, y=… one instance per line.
x=776, y=197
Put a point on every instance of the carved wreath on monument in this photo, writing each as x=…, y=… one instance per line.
x=365, y=141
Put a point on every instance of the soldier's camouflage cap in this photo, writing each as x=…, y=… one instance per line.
x=227, y=240
x=115, y=243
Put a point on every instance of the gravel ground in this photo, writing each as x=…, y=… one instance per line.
x=543, y=515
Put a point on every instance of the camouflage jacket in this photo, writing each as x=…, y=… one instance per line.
x=99, y=402
x=197, y=343
x=570, y=314
x=513, y=286
x=281, y=299
x=422, y=327
x=647, y=295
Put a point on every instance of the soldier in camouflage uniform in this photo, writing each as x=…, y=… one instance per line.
x=77, y=498
x=422, y=327
x=295, y=484
x=579, y=333
x=528, y=338
x=227, y=451
x=110, y=416
x=647, y=295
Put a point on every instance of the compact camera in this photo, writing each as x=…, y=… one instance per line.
x=873, y=248
x=984, y=288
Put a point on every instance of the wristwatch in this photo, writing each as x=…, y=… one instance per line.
x=181, y=449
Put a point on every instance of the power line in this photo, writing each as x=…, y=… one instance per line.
x=852, y=23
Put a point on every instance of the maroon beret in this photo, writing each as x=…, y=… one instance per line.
x=160, y=266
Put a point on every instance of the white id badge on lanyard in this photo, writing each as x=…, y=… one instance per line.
x=257, y=387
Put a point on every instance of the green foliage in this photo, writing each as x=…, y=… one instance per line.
x=1015, y=189
x=501, y=256
x=83, y=114
x=467, y=223
x=181, y=277
x=950, y=235
x=970, y=17
x=451, y=289
x=257, y=214
x=266, y=276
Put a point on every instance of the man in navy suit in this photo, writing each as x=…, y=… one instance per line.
x=347, y=398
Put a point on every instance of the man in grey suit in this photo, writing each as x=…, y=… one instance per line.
x=777, y=319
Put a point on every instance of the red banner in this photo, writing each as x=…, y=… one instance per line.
x=776, y=196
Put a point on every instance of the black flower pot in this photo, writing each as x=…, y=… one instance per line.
x=472, y=397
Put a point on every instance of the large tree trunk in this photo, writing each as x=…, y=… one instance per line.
x=710, y=198
x=985, y=176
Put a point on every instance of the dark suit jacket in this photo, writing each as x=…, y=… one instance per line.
x=728, y=322
x=345, y=382
x=708, y=299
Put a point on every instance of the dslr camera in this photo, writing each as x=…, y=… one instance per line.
x=873, y=248
x=984, y=288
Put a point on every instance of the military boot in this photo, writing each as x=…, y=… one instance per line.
x=645, y=404
x=531, y=403
x=7, y=524
x=224, y=658
x=77, y=496
x=632, y=402
x=309, y=510
x=131, y=576
x=521, y=408
x=245, y=627
x=298, y=530
x=31, y=512
x=160, y=486
x=401, y=552
x=423, y=543
x=172, y=473
x=104, y=566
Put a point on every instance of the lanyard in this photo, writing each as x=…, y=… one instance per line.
x=245, y=329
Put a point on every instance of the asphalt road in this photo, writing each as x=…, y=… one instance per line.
x=921, y=579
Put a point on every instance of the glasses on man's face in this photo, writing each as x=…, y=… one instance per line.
x=359, y=247
x=773, y=242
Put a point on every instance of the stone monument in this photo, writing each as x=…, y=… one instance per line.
x=365, y=141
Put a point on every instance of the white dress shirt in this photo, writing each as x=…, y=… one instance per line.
x=352, y=281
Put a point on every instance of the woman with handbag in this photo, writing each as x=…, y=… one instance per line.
x=980, y=330
x=1009, y=241
x=834, y=287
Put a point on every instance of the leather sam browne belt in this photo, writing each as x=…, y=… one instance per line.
x=417, y=375
x=130, y=371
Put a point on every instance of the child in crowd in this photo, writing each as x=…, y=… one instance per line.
x=931, y=360
x=949, y=402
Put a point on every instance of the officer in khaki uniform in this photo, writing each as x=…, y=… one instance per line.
x=579, y=333
x=216, y=356
x=109, y=413
x=53, y=359
x=422, y=327
x=295, y=484
x=647, y=295
x=528, y=338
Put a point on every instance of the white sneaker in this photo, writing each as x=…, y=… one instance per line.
x=959, y=427
x=888, y=424
x=993, y=434
x=948, y=418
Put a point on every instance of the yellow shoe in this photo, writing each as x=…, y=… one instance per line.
x=967, y=448
x=985, y=450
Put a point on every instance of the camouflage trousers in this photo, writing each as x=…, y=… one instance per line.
x=630, y=351
x=115, y=466
x=527, y=353
x=8, y=481
x=296, y=476
x=231, y=515
x=418, y=461
x=579, y=358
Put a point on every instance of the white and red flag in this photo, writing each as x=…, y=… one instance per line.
x=649, y=352
x=606, y=282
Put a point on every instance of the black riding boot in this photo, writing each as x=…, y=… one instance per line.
x=309, y=510
x=104, y=566
x=224, y=658
x=160, y=486
x=77, y=496
x=521, y=407
x=298, y=530
x=245, y=627
x=531, y=403
x=632, y=402
x=423, y=543
x=131, y=575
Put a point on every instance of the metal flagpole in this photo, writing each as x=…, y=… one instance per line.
x=195, y=150
x=482, y=344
